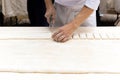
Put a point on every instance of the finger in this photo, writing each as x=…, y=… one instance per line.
x=65, y=39
x=56, y=32
x=47, y=17
x=61, y=38
x=53, y=18
x=56, y=38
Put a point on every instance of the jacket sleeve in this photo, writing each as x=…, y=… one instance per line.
x=93, y=4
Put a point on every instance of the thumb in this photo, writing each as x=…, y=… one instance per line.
x=47, y=16
x=53, y=18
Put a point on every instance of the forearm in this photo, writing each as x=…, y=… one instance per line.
x=48, y=4
x=82, y=16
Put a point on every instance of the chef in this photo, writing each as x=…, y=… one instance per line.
x=69, y=15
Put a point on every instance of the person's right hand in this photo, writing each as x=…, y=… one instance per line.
x=50, y=14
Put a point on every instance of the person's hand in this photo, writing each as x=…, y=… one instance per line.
x=64, y=33
x=50, y=14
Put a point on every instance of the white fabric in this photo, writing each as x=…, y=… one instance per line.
x=38, y=76
x=93, y=4
x=14, y=7
x=25, y=50
x=66, y=14
x=68, y=9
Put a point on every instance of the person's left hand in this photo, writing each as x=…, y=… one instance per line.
x=64, y=33
x=50, y=14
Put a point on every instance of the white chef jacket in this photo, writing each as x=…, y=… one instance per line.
x=93, y=4
x=68, y=8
